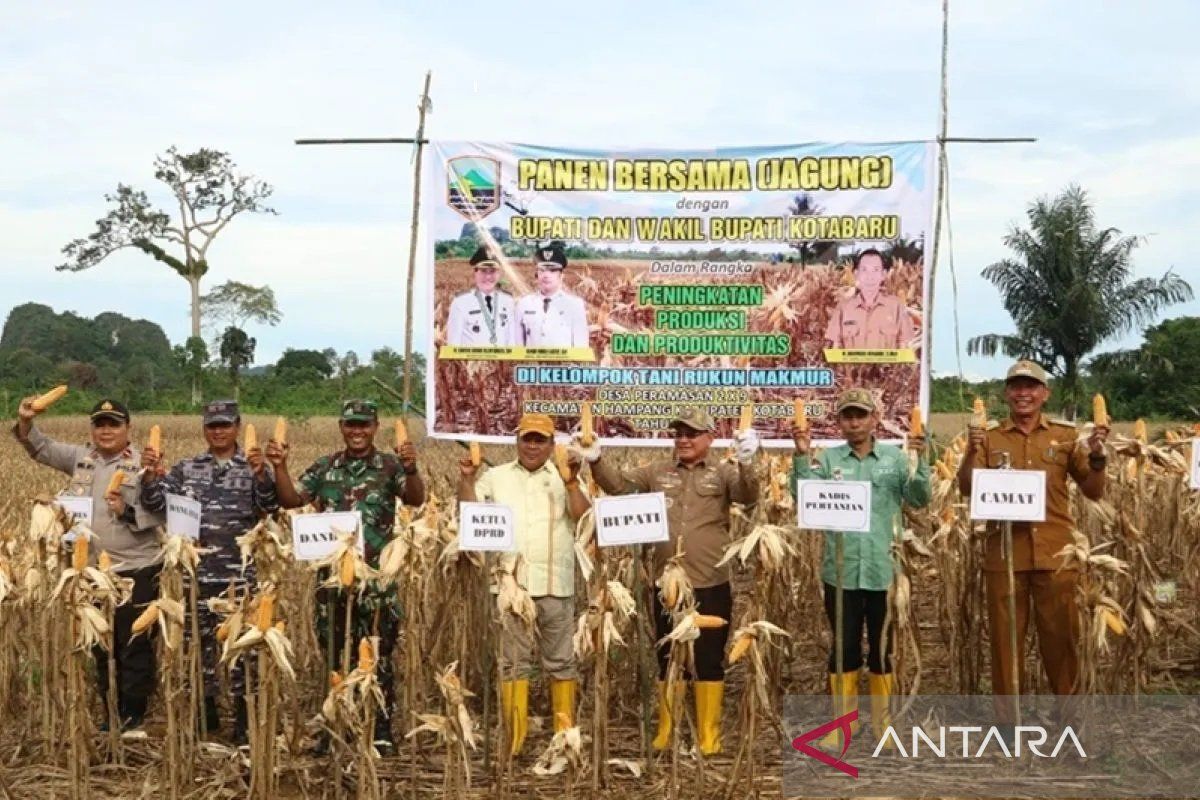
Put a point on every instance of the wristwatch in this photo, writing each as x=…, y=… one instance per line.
x=1097, y=461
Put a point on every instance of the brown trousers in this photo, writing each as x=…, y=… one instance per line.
x=1055, y=615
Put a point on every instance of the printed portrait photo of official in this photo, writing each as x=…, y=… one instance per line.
x=551, y=316
x=871, y=318
x=485, y=316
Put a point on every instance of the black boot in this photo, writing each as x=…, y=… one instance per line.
x=240, y=723
x=132, y=711
x=212, y=716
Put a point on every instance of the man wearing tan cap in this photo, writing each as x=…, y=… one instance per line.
x=699, y=489
x=867, y=569
x=1029, y=440
x=545, y=508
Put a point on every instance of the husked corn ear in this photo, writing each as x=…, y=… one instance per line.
x=979, y=416
x=1139, y=431
x=943, y=470
x=587, y=431
x=366, y=655
x=476, y=454
x=154, y=440
x=335, y=679
x=49, y=398
x=1113, y=621
x=281, y=626
x=104, y=562
x=401, y=433
x=747, y=420
x=223, y=631
x=251, y=438
x=266, y=611
x=1099, y=411
x=799, y=414
x=146, y=619
x=707, y=621
x=740, y=647
x=79, y=553
x=115, y=482
x=280, y=430
x=561, y=461
x=346, y=569
x=916, y=426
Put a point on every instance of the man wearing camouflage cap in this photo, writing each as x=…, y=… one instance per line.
x=235, y=490
x=1029, y=440
x=700, y=488
x=546, y=508
x=551, y=316
x=364, y=479
x=866, y=570
x=484, y=316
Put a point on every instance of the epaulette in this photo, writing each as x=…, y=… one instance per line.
x=992, y=425
x=1066, y=423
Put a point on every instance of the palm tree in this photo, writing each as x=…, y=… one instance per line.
x=1070, y=288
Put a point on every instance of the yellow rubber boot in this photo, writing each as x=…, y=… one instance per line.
x=843, y=689
x=662, y=738
x=881, y=712
x=514, y=701
x=562, y=703
x=709, y=696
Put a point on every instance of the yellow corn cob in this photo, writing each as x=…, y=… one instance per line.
x=979, y=416
x=1196, y=428
x=104, y=562
x=562, y=462
x=476, y=454
x=916, y=426
x=280, y=430
x=223, y=631
x=1099, y=411
x=740, y=647
x=747, y=420
x=706, y=621
x=1172, y=437
x=79, y=553
x=251, y=438
x=1113, y=621
x=115, y=482
x=1139, y=430
x=346, y=569
x=587, y=432
x=146, y=619
x=266, y=611
x=799, y=414
x=366, y=655
x=943, y=470
x=49, y=398
x=281, y=626
x=154, y=440
x=335, y=679
x=401, y=433
x=670, y=594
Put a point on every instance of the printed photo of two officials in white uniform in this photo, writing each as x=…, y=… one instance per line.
x=484, y=316
x=551, y=316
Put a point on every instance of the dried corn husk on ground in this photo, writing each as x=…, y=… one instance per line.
x=348, y=714
x=454, y=728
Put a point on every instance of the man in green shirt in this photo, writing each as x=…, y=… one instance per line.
x=866, y=569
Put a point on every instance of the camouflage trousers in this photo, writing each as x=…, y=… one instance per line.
x=216, y=573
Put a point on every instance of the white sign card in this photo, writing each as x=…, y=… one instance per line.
x=843, y=506
x=486, y=526
x=79, y=508
x=1012, y=495
x=183, y=516
x=1196, y=463
x=631, y=519
x=315, y=536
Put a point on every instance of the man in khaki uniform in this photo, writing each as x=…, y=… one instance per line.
x=699, y=489
x=870, y=318
x=545, y=508
x=1031, y=441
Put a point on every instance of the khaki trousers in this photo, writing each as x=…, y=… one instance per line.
x=554, y=632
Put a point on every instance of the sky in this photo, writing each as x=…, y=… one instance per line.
x=92, y=92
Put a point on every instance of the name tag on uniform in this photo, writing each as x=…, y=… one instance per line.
x=183, y=516
x=486, y=526
x=1008, y=495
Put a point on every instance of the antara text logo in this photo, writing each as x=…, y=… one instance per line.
x=961, y=742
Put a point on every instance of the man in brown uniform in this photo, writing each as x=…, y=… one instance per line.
x=870, y=318
x=1031, y=441
x=699, y=489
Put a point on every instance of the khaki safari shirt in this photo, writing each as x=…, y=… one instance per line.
x=884, y=324
x=698, y=499
x=1053, y=448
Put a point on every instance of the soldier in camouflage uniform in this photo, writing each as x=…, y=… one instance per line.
x=364, y=479
x=235, y=490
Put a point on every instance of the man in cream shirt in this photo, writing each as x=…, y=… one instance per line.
x=545, y=509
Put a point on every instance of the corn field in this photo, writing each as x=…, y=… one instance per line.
x=1140, y=597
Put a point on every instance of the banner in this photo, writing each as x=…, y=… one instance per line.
x=644, y=281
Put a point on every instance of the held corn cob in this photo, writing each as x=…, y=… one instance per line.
x=747, y=420
x=401, y=433
x=799, y=414
x=251, y=438
x=916, y=426
x=115, y=482
x=1099, y=411
x=979, y=417
x=48, y=399
x=280, y=430
x=154, y=440
x=562, y=462
x=587, y=432
x=476, y=454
